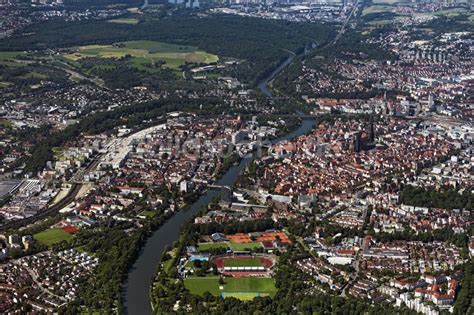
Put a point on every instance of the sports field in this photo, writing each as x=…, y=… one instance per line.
x=145, y=53
x=242, y=262
x=244, y=246
x=201, y=285
x=202, y=247
x=243, y=288
x=250, y=284
x=52, y=236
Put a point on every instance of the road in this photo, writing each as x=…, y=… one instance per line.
x=70, y=70
x=343, y=28
x=354, y=276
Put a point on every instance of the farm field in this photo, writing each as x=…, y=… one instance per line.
x=10, y=54
x=241, y=288
x=10, y=64
x=242, y=262
x=52, y=236
x=145, y=54
x=10, y=59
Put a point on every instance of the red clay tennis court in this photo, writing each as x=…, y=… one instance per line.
x=70, y=229
x=240, y=238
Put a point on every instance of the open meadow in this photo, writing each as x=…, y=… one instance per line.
x=144, y=54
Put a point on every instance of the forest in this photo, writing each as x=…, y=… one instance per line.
x=261, y=43
x=431, y=198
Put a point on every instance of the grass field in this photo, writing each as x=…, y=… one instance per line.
x=10, y=63
x=148, y=214
x=250, y=284
x=201, y=285
x=242, y=288
x=377, y=9
x=34, y=75
x=145, y=53
x=242, y=262
x=52, y=236
x=244, y=246
x=125, y=21
x=202, y=247
x=10, y=54
x=380, y=22
x=58, y=153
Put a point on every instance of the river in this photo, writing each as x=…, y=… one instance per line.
x=135, y=293
x=263, y=85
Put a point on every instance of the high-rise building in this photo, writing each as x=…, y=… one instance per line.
x=357, y=142
x=371, y=130
x=431, y=103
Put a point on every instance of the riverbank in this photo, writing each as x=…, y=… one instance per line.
x=135, y=292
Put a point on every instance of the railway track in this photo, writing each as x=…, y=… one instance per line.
x=71, y=195
x=47, y=212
